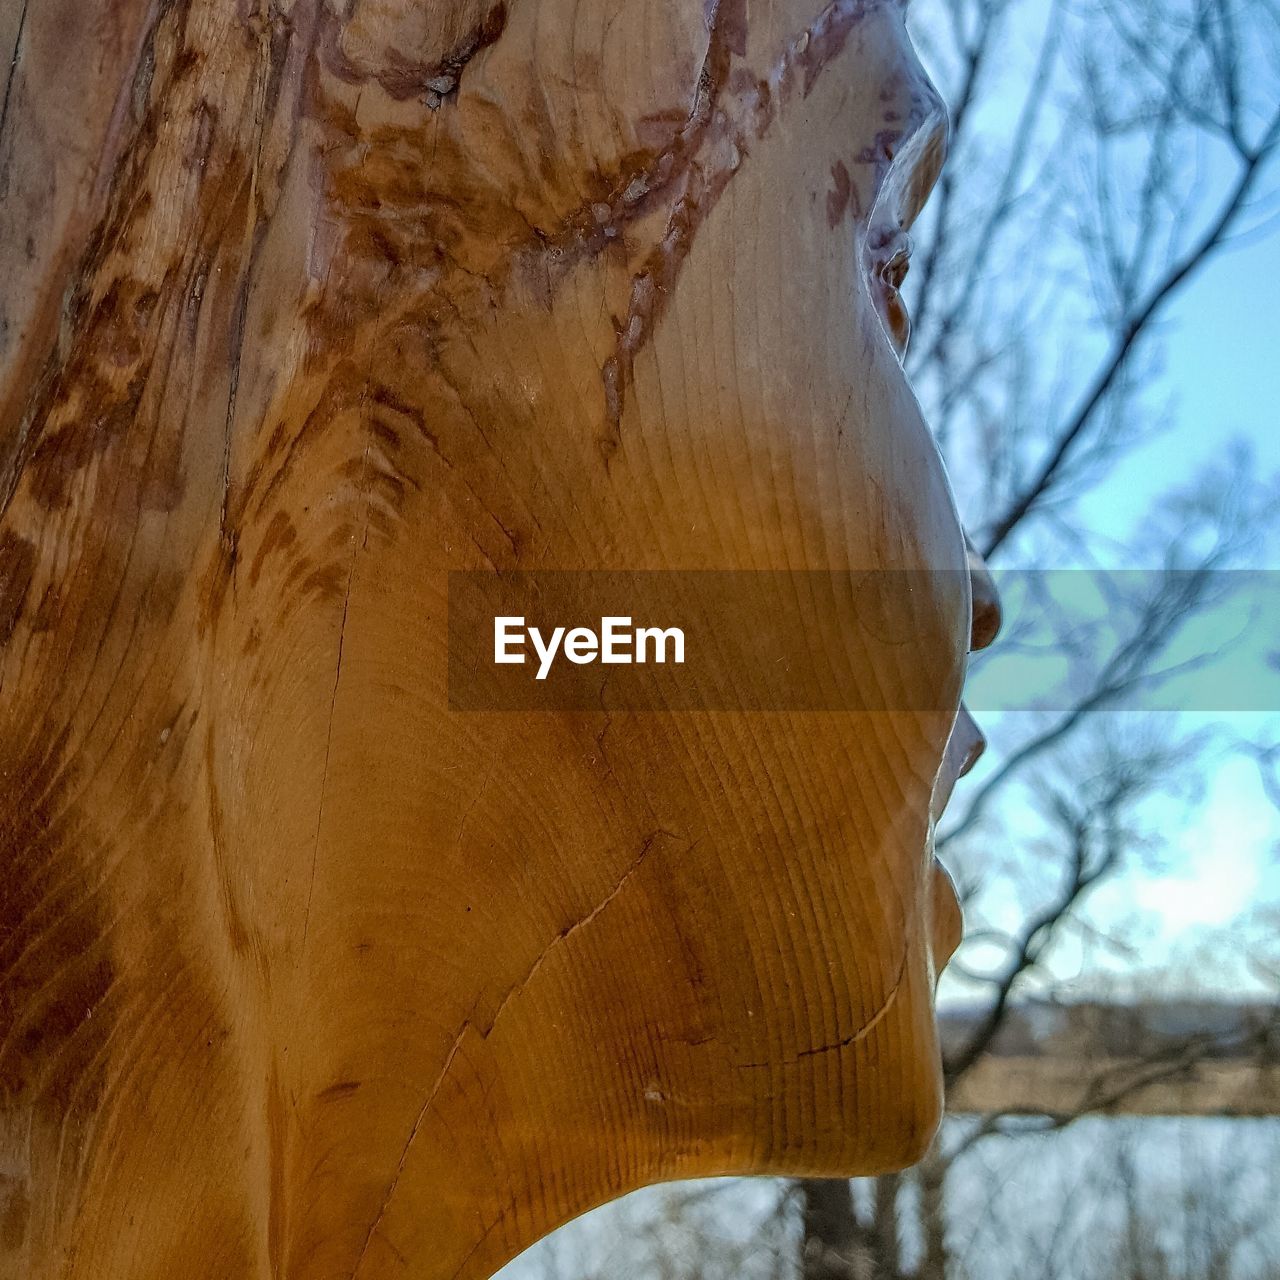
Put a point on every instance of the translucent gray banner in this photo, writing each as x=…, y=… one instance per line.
x=1167, y=640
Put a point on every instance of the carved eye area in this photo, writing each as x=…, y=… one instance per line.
x=894, y=272
x=891, y=274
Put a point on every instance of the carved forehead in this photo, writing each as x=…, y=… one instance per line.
x=517, y=112
x=405, y=43
x=588, y=73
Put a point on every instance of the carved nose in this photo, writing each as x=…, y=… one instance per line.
x=987, y=614
x=908, y=153
x=929, y=154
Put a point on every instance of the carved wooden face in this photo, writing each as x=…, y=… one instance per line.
x=615, y=290
x=557, y=284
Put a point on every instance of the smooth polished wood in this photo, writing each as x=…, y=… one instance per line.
x=303, y=305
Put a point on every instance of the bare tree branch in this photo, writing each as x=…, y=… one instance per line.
x=1210, y=242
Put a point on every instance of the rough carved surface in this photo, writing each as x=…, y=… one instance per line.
x=304, y=305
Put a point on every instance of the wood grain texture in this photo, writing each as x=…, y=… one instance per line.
x=305, y=305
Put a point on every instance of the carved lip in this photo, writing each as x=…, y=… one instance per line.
x=947, y=916
x=964, y=749
x=946, y=912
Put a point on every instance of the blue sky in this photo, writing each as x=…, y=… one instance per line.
x=1222, y=368
x=1221, y=338
x=1217, y=870
x=1192, y=915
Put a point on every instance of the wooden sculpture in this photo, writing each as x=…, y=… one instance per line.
x=303, y=304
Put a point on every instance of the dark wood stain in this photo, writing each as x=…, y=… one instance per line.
x=402, y=78
x=336, y=1092
x=839, y=195
x=56, y=1010
x=17, y=566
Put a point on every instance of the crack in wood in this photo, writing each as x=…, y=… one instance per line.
x=359, y=545
x=578, y=925
x=13, y=66
x=408, y=1146
x=854, y=1037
